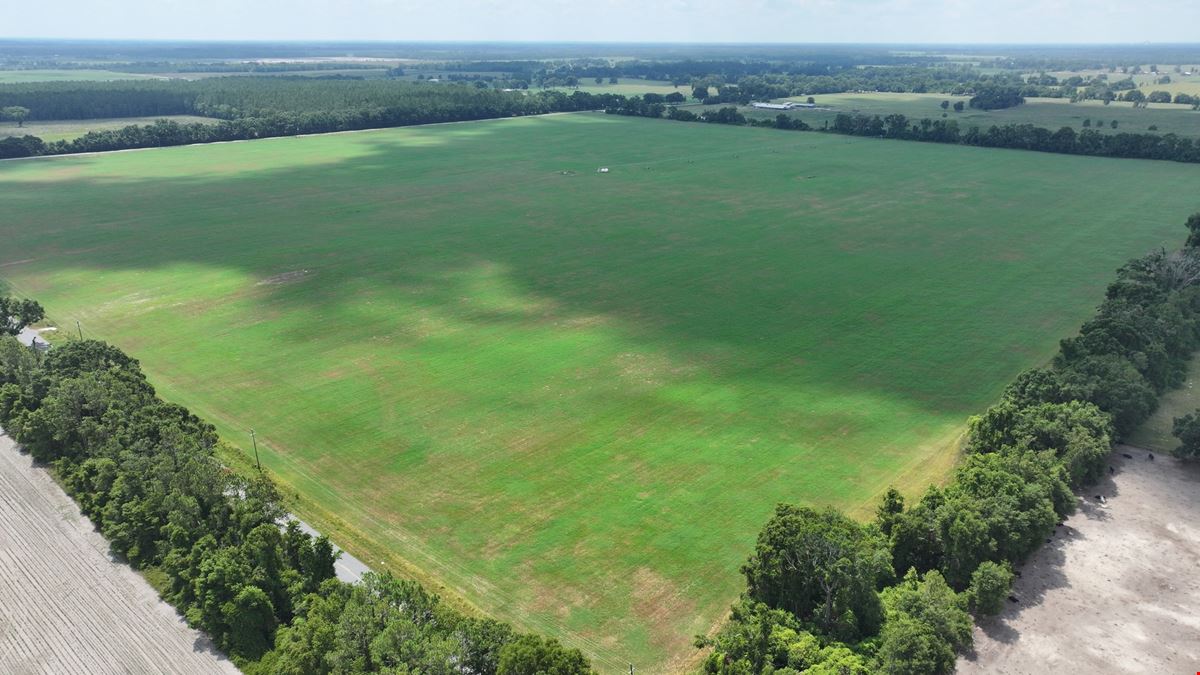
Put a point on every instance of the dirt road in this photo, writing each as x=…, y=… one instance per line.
x=65, y=606
x=1116, y=590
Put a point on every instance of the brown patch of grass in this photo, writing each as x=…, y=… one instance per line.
x=656, y=600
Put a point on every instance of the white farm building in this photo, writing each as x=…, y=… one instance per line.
x=786, y=105
x=773, y=106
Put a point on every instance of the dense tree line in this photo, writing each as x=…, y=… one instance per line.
x=825, y=594
x=144, y=471
x=232, y=98
x=424, y=105
x=1023, y=137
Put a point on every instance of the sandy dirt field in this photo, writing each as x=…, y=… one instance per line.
x=65, y=605
x=1118, y=588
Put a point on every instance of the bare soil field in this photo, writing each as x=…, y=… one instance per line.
x=1116, y=590
x=65, y=605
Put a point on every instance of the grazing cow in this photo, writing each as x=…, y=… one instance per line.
x=1152, y=457
x=1013, y=598
x=1018, y=573
x=1126, y=455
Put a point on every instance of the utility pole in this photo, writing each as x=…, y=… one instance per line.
x=79, y=328
x=255, y=442
x=631, y=669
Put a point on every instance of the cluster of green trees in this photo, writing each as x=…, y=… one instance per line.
x=1187, y=427
x=95, y=100
x=1187, y=430
x=354, y=109
x=144, y=471
x=822, y=594
x=17, y=313
x=996, y=97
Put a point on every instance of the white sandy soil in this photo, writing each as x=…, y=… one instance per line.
x=1117, y=590
x=65, y=605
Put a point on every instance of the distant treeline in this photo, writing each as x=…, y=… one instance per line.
x=1015, y=136
x=1023, y=137
x=424, y=104
x=687, y=71
x=827, y=594
x=242, y=66
x=144, y=471
x=265, y=107
x=232, y=98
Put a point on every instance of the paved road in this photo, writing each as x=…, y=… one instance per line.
x=349, y=568
x=65, y=605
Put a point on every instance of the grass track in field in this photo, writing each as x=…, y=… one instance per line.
x=573, y=398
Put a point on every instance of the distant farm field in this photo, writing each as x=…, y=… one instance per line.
x=630, y=87
x=1051, y=113
x=68, y=75
x=571, y=398
x=66, y=130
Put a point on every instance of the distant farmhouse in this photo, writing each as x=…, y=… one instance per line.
x=786, y=105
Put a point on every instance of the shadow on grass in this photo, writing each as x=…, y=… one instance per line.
x=710, y=250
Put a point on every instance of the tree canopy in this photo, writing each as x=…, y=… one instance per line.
x=16, y=314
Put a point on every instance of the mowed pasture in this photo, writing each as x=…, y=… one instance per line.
x=570, y=398
x=629, y=87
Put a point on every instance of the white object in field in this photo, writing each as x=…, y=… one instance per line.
x=603, y=169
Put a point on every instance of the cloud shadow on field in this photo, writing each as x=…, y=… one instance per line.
x=709, y=250
x=747, y=269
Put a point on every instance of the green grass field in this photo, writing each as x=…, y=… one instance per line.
x=631, y=87
x=68, y=75
x=65, y=130
x=1051, y=113
x=570, y=398
x=1155, y=434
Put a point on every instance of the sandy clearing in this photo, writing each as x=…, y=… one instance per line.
x=65, y=605
x=1116, y=590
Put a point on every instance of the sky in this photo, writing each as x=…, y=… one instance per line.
x=792, y=21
